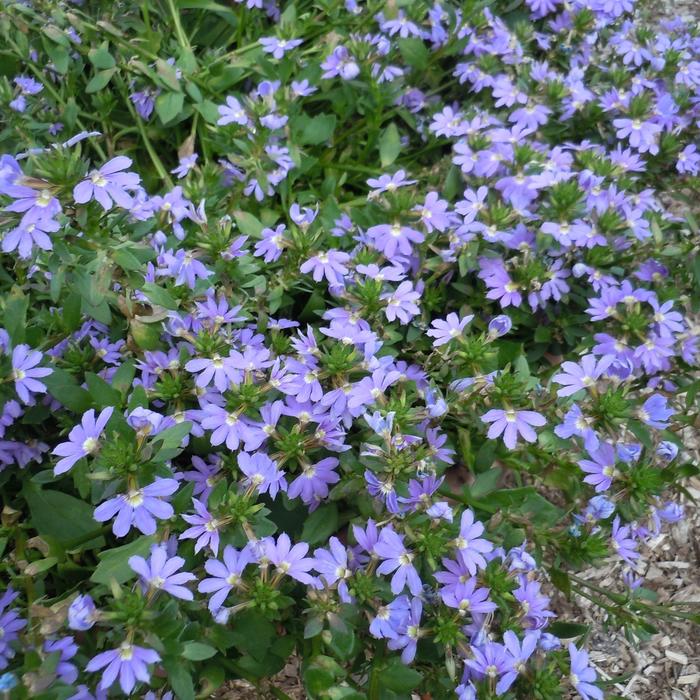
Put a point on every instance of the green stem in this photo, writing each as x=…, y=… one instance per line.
x=179, y=31
x=155, y=159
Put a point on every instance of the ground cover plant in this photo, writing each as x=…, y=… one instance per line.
x=338, y=330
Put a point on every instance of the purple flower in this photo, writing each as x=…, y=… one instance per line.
x=312, y=482
x=232, y=113
x=227, y=427
x=390, y=618
x=278, y=47
x=262, y=473
x=433, y=213
x=582, y=675
x=575, y=423
x=27, y=85
x=622, y=542
x=583, y=375
x=205, y=528
x=408, y=632
x=36, y=205
x=642, y=135
x=25, y=373
x=469, y=543
x=67, y=648
x=655, y=412
x=82, y=613
x=332, y=564
x=533, y=602
x=499, y=325
x=401, y=303
x=204, y=475
x=512, y=423
x=288, y=560
x=226, y=575
x=689, y=160
x=519, y=653
x=109, y=185
x=390, y=238
x=467, y=598
x=10, y=624
x=330, y=264
x=601, y=468
x=398, y=559
x=159, y=572
x=185, y=165
x=389, y=183
x=129, y=662
x=272, y=243
x=490, y=661
x=222, y=370
x=139, y=507
x=341, y=62
x=185, y=268
x=449, y=329
x=83, y=439
x=29, y=234
x=144, y=101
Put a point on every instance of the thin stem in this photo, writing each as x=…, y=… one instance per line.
x=155, y=159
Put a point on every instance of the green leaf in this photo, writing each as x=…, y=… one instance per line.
x=169, y=105
x=59, y=55
x=414, y=52
x=100, y=80
x=123, y=377
x=248, y=224
x=114, y=563
x=209, y=111
x=485, y=483
x=126, y=259
x=389, y=145
x=252, y=634
x=540, y=510
x=561, y=580
x=321, y=674
x=146, y=335
x=197, y=651
x=103, y=394
x=15, y=316
x=40, y=565
x=315, y=130
x=567, y=630
x=180, y=679
x=101, y=58
x=168, y=75
x=207, y=5
x=64, y=388
x=58, y=515
x=399, y=678
x=170, y=441
x=158, y=295
x=321, y=524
